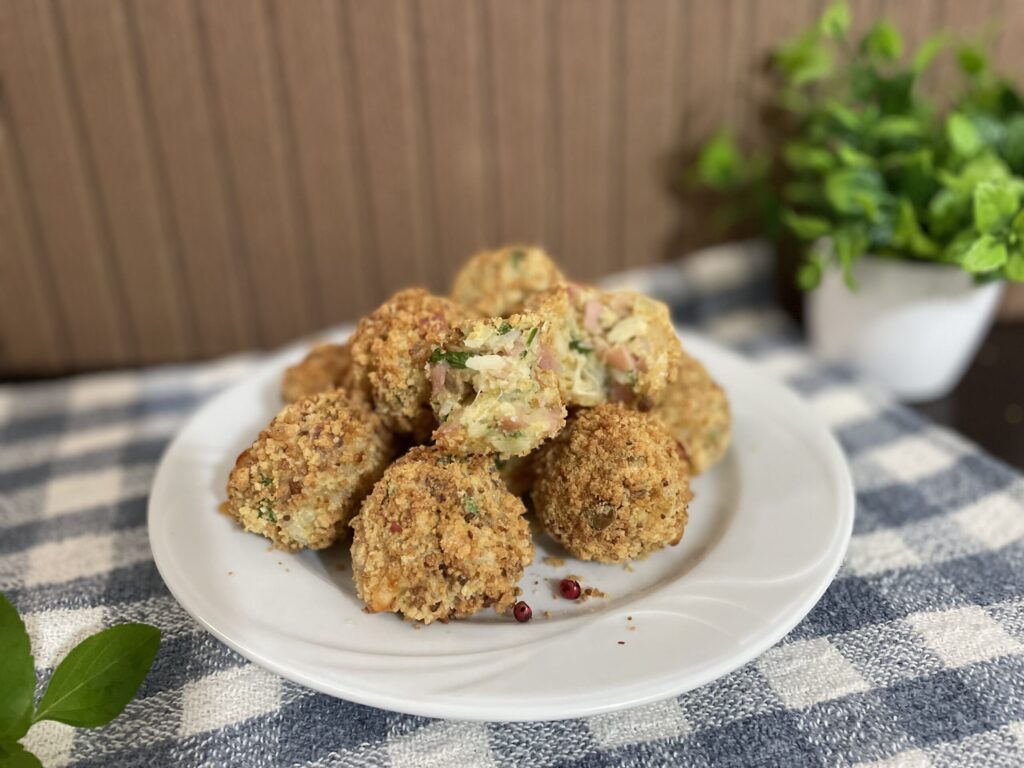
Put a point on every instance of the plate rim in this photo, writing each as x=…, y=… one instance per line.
x=672, y=684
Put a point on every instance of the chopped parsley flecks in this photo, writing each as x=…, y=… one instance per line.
x=504, y=328
x=470, y=505
x=265, y=510
x=265, y=479
x=517, y=257
x=578, y=346
x=453, y=358
x=530, y=336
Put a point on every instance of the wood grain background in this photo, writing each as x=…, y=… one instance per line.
x=182, y=178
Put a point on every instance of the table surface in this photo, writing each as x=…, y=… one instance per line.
x=914, y=656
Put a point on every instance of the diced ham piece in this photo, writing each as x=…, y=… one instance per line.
x=547, y=360
x=512, y=423
x=591, y=316
x=437, y=376
x=619, y=357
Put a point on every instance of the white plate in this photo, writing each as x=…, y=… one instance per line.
x=768, y=529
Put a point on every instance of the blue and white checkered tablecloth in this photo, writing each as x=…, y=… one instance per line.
x=914, y=656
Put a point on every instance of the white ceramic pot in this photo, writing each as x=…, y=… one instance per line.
x=911, y=327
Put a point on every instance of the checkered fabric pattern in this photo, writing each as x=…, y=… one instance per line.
x=914, y=656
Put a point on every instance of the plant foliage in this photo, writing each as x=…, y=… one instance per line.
x=869, y=164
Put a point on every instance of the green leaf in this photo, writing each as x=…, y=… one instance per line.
x=17, y=675
x=835, y=21
x=804, y=60
x=853, y=157
x=850, y=243
x=720, y=165
x=883, y=41
x=806, y=227
x=948, y=211
x=995, y=203
x=805, y=157
x=963, y=136
x=899, y=127
x=1015, y=266
x=808, y=276
x=929, y=49
x=854, y=190
x=986, y=254
x=971, y=60
x=909, y=235
x=985, y=167
x=95, y=682
x=16, y=756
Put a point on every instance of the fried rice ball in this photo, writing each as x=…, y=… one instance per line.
x=389, y=354
x=304, y=477
x=696, y=411
x=494, y=388
x=497, y=283
x=614, y=486
x=610, y=346
x=326, y=367
x=440, y=537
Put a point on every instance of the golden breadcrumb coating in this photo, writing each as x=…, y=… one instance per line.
x=440, y=537
x=326, y=367
x=497, y=283
x=389, y=355
x=614, y=486
x=494, y=388
x=696, y=411
x=615, y=346
x=304, y=477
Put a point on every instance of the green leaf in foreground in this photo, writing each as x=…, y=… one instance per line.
x=17, y=675
x=16, y=756
x=95, y=682
x=984, y=255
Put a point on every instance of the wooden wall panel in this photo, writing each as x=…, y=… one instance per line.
x=105, y=79
x=318, y=81
x=245, y=79
x=649, y=62
x=31, y=331
x=584, y=36
x=42, y=125
x=183, y=178
x=194, y=173
x=459, y=147
x=515, y=51
x=379, y=37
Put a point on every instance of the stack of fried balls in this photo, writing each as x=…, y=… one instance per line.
x=432, y=429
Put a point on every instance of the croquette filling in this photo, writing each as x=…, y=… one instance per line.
x=487, y=387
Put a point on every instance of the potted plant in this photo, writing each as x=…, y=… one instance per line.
x=906, y=216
